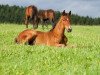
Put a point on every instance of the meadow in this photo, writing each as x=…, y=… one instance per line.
x=80, y=57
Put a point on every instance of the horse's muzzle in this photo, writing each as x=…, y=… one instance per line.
x=69, y=30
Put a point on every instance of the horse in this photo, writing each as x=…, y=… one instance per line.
x=31, y=15
x=46, y=15
x=54, y=37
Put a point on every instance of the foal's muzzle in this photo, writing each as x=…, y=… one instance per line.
x=69, y=30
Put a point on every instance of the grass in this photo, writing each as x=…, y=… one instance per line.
x=80, y=57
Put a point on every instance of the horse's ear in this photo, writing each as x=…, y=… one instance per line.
x=69, y=12
x=63, y=12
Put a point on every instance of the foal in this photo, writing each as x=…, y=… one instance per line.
x=54, y=37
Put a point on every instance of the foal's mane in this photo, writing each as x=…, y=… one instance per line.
x=54, y=25
x=63, y=14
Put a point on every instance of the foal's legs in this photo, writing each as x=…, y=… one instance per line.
x=26, y=39
x=60, y=45
x=64, y=40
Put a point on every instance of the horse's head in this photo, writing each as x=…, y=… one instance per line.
x=65, y=17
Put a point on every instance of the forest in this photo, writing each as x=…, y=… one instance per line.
x=16, y=14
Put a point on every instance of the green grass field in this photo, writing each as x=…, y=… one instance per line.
x=80, y=57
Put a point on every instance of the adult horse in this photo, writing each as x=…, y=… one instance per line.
x=31, y=16
x=46, y=15
x=54, y=37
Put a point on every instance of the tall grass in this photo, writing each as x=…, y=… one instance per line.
x=80, y=57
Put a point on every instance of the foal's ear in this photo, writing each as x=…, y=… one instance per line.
x=63, y=12
x=69, y=12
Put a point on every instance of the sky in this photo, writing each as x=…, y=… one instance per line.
x=81, y=7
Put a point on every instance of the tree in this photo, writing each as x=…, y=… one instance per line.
x=16, y=14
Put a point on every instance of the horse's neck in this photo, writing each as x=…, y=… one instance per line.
x=59, y=29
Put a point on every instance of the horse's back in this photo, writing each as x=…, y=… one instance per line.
x=46, y=14
x=31, y=10
x=51, y=13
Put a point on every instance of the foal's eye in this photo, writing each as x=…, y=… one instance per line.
x=67, y=19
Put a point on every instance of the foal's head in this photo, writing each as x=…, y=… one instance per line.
x=65, y=18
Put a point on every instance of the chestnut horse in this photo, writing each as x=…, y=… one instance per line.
x=31, y=15
x=54, y=37
x=46, y=15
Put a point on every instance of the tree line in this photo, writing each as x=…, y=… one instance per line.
x=16, y=14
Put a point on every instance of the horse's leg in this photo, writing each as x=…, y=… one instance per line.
x=26, y=21
x=33, y=22
x=52, y=22
x=43, y=22
x=36, y=22
x=43, y=26
x=46, y=24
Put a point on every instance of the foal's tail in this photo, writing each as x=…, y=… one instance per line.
x=16, y=40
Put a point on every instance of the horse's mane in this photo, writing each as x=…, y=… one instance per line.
x=51, y=10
